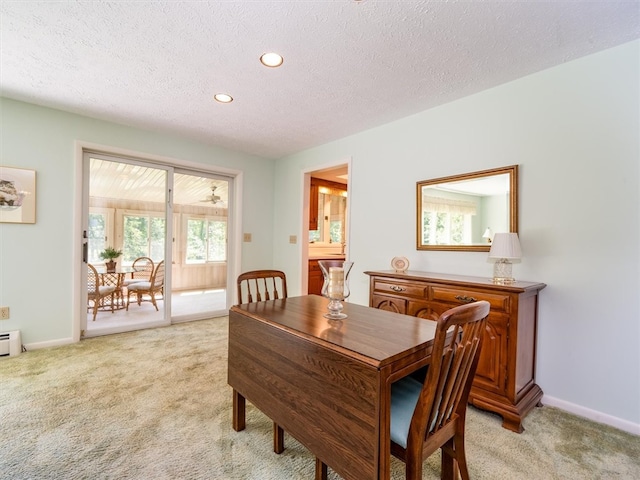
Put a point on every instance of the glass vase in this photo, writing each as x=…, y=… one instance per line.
x=335, y=286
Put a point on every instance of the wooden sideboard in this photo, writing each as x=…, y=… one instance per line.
x=505, y=379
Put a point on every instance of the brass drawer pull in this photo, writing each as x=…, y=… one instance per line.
x=396, y=288
x=465, y=299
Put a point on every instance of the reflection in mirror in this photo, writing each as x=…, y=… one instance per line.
x=463, y=212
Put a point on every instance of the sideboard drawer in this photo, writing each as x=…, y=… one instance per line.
x=459, y=297
x=403, y=289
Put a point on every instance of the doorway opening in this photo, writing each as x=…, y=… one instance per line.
x=325, y=221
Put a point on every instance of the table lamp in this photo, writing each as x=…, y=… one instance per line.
x=504, y=248
x=487, y=235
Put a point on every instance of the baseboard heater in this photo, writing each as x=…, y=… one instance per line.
x=10, y=344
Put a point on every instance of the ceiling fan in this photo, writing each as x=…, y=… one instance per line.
x=213, y=198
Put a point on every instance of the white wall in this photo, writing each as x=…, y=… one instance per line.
x=574, y=131
x=37, y=262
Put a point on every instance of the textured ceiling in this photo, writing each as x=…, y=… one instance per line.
x=348, y=66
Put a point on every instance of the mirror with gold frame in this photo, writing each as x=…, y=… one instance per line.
x=463, y=212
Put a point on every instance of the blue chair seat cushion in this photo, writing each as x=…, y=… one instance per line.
x=404, y=398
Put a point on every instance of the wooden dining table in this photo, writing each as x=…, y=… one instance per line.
x=325, y=382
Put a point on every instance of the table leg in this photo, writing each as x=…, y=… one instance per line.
x=239, y=411
x=321, y=470
x=278, y=438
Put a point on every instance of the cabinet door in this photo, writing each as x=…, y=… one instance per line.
x=315, y=278
x=391, y=304
x=313, y=206
x=421, y=310
x=491, y=374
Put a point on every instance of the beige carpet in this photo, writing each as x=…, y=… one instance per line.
x=155, y=404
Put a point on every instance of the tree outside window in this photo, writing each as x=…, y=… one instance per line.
x=206, y=240
x=143, y=236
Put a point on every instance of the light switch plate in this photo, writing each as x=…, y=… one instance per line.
x=247, y=237
x=293, y=239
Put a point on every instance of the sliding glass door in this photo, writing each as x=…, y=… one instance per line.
x=168, y=228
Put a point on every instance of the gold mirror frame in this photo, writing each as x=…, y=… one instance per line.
x=512, y=202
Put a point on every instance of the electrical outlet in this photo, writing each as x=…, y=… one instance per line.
x=4, y=313
x=293, y=239
x=247, y=237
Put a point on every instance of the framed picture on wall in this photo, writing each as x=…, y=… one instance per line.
x=17, y=195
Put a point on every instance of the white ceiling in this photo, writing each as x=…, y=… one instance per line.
x=348, y=66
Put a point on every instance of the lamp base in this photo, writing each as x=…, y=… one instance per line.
x=503, y=280
x=502, y=272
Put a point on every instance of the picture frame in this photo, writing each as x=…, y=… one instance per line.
x=17, y=195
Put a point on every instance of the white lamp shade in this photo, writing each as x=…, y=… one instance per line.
x=505, y=245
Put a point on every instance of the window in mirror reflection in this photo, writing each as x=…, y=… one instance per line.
x=448, y=220
x=443, y=228
x=332, y=207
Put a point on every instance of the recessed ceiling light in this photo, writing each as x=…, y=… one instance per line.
x=271, y=59
x=223, y=98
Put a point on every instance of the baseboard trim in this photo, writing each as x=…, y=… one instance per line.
x=593, y=415
x=51, y=343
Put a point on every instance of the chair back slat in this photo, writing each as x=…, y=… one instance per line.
x=261, y=285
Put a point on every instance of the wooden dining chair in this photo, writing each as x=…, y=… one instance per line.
x=96, y=291
x=256, y=286
x=155, y=286
x=429, y=415
x=259, y=285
